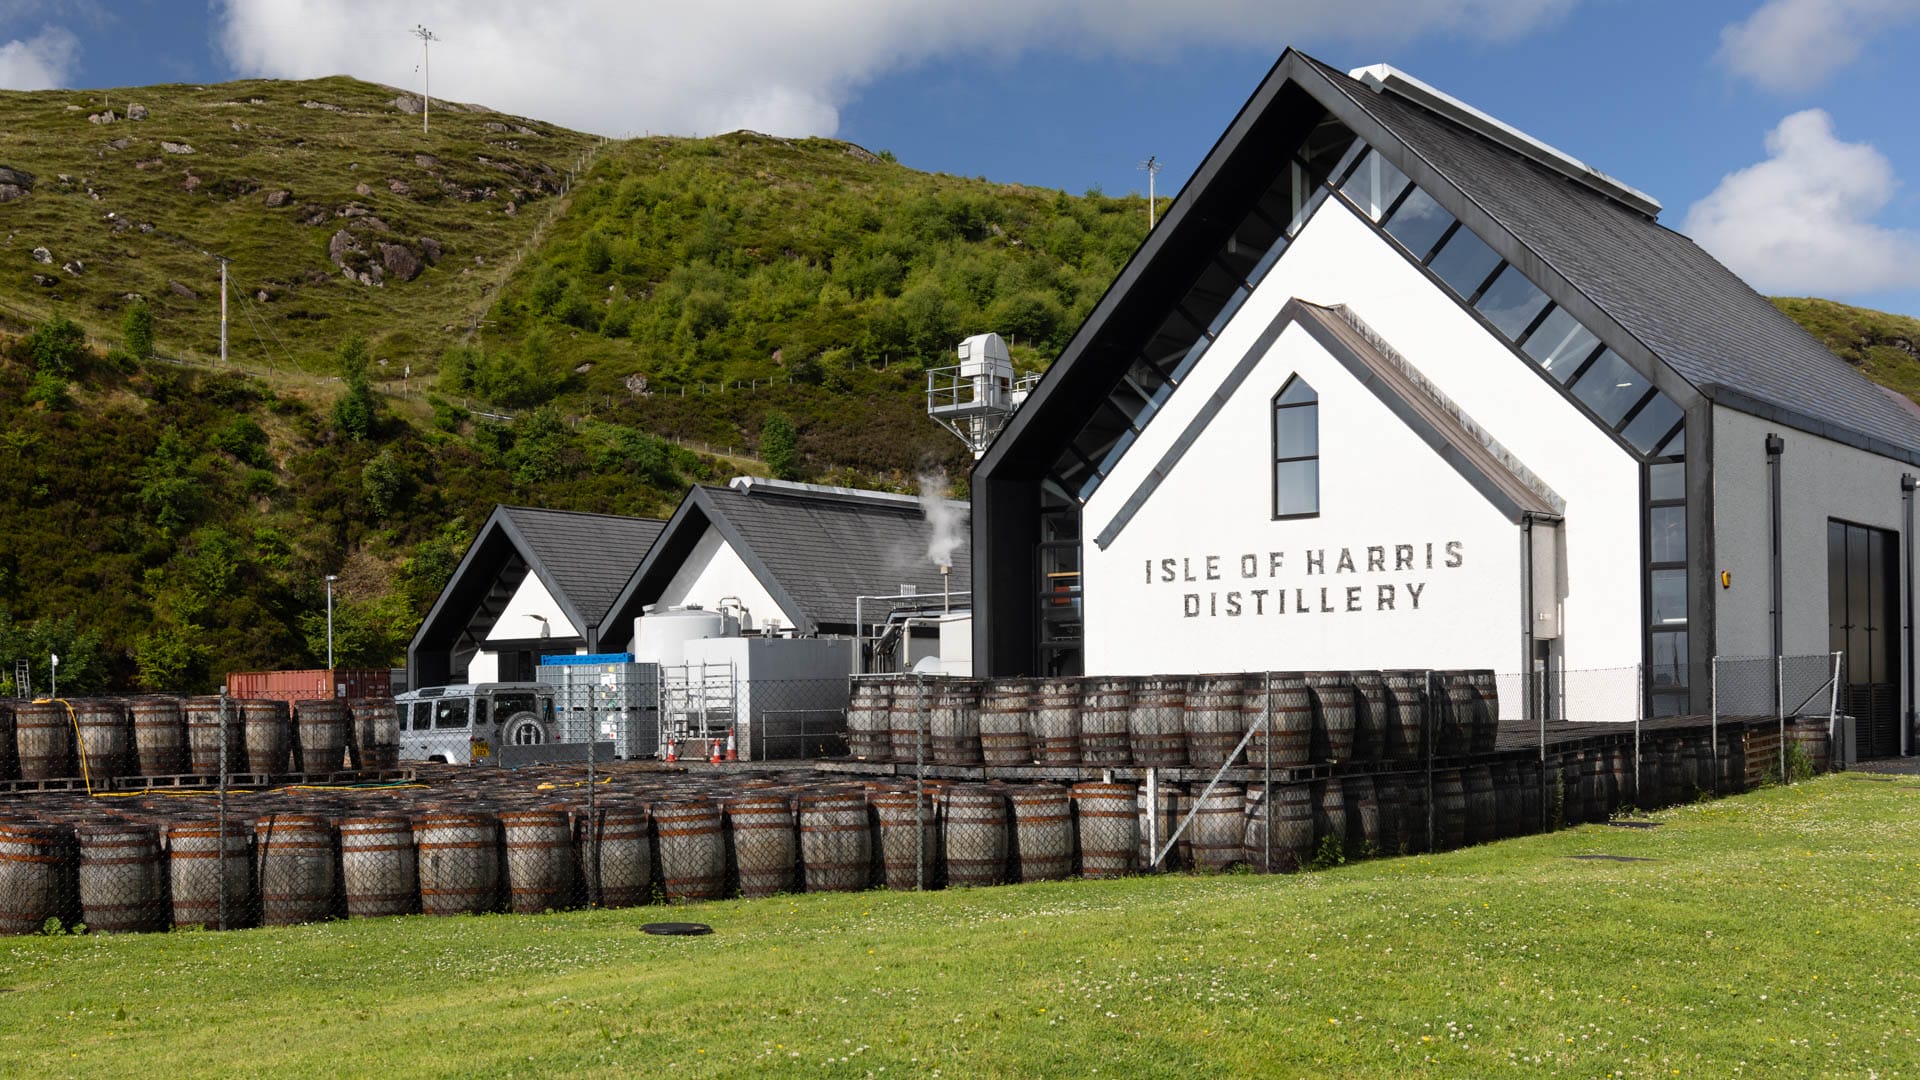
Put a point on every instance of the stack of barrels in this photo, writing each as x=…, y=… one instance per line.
x=102, y=739
x=1319, y=717
x=532, y=840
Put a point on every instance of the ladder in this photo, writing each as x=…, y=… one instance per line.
x=23, y=680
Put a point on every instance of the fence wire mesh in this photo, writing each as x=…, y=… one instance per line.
x=120, y=816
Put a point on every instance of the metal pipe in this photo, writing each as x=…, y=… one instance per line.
x=1907, y=484
x=1775, y=447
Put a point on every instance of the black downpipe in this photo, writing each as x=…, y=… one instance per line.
x=1907, y=483
x=1775, y=446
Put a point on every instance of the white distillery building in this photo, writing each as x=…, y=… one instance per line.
x=1394, y=385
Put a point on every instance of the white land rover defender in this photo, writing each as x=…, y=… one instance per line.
x=468, y=724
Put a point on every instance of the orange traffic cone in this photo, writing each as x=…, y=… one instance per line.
x=671, y=756
x=732, y=753
x=713, y=751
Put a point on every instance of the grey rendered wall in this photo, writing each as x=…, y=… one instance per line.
x=1820, y=479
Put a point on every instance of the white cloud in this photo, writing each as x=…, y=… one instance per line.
x=786, y=68
x=1791, y=46
x=41, y=62
x=1801, y=222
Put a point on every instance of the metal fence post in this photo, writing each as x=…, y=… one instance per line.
x=1713, y=720
x=920, y=783
x=1537, y=683
x=1426, y=723
x=1780, y=711
x=1266, y=796
x=593, y=819
x=1639, y=711
x=222, y=784
x=1833, y=715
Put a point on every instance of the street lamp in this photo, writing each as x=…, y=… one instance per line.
x=331, y=578
x=53, y=691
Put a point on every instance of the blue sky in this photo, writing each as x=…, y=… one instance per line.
x=1669, y=97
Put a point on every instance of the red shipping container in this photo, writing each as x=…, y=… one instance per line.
x=308, y=685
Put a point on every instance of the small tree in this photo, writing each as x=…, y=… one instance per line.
x=778, y=444
x=138, y=330
x=355, y=414
x=58, y=347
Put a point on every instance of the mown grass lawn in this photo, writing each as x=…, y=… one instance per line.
x=1770, y=935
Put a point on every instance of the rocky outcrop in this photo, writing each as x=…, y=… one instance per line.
x=400, y=262
x=183, y=290
x=42, y=255
x=278, y=198
x=136, y=111
x=176, y=148
x=14, y=183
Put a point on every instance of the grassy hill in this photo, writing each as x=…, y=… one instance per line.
x=637, y=312
x=298, y=183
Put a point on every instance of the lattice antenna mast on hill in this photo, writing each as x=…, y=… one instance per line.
x=1151, y=167
x=427, y=38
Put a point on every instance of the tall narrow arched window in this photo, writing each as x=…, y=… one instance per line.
x=1296, y=450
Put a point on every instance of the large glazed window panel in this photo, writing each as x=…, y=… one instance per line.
x=1651, y=423
x=1511, y=303
x=1669, y=588
x=1669, y=667
x=1610, y=387
x=1296, y=488
x=1667, y=481
x=1667, y=534
x=1296, y=433
x=1419, y=223
x=1374, y=185
x=1464, y=263
x=1561, y=344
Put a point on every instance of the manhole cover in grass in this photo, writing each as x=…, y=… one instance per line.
x=677, y=929
x=1610, y=858
x=1633, y=824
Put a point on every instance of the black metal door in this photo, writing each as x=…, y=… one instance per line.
x=1863, y=622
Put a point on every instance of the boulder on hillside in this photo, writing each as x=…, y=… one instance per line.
x=278, y=198
x=406, y=103
x=342, y=246
x=176, y=148
x=362, y=190
x=42, y=255
x=107, y=117
x=426, y=161
x=136, y=111
x=19, y=178
x=400, y=261
x=180, y=289
x=399, y=186
x=119, y=144
x=430, y=248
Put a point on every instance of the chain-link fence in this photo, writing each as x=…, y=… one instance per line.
x=152, y=814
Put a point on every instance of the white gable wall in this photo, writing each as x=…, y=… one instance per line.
x=1407, y=565
x=1378, y=492
x=714, y=571
x=529, y=600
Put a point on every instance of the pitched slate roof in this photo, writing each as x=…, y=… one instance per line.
x=1708, y=325
x=588, y=556
x=581, y=559
x=815, y=549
